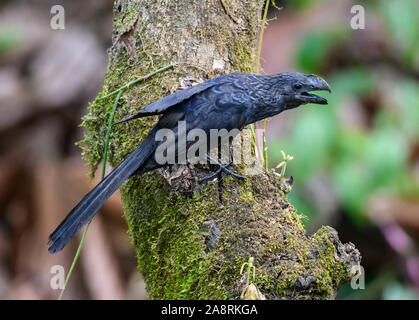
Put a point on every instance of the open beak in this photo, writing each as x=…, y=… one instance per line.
x=317, y=84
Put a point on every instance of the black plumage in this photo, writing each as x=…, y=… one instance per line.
x=227, y=102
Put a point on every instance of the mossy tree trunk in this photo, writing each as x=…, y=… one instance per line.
x=192, y=238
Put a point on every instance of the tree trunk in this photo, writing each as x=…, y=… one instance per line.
x=191, y=238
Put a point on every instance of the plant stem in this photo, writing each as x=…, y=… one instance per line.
x=136, y=81
x=264, y=151
x=265, y=14
x=108, y=132
x=264, y=146
x=105, y=159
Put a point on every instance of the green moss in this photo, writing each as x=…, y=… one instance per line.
x=125, y=15
x=243, y=56
x=170, y=250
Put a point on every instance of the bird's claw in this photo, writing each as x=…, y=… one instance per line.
x=221, y=167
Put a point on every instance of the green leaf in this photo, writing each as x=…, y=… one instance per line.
x=386, y=153
x=312, y=54
x=301, y=4
x=407, y=95
x=8, y=40
x=401, y=20
x=350, y=177
x=352, y=81
x=315, y=47
x=309, y=141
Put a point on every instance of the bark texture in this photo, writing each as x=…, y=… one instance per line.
x=192, y=238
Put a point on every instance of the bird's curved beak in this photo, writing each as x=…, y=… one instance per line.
x=316, y=84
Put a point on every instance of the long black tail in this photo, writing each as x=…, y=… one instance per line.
x=91, y=203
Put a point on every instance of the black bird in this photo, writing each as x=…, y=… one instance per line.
x=226, y=102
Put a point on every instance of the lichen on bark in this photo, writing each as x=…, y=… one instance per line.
x=192, y=238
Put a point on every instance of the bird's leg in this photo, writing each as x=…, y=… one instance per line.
x=221, y=167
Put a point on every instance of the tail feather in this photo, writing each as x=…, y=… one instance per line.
x=91, y=203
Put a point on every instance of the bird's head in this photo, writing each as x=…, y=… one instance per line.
x=294, y=89
x=284, y=91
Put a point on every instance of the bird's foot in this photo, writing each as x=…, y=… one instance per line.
x=221, y=167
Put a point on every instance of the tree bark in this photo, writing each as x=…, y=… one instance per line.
x=191, y=238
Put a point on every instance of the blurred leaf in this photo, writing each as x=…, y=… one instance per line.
x=402, y=21
x=350, y=143
x=350, y=178
x=408, y=97
x=315, y=48
x=8, y=40
x=313, y=52
x=354, y=81
x=309, y=142
x=366, y=163
x=386, y=154
x=302, y=4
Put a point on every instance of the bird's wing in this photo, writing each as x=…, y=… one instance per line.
x=213, y=109
x=162, y=105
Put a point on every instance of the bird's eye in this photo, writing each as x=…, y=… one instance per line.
x=297, y=86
